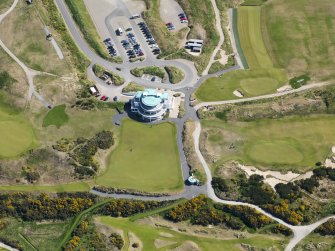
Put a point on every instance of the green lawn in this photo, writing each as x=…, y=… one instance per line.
x=16, y=133
x=146, y=159
x=148, y=235
x=290, y=143
x=300, y=36
x=261, y=77
x=71, y=187
x=251, y=82
x=57, y=116
x=249, y=29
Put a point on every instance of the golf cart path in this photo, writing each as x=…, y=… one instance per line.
x=218, y=27
x=54, y=44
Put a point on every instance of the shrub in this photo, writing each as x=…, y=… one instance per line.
x=6, y=80
x=309, y=184
x=116, y=240
x=327, y=228
x=219, y=183
x=288, y=191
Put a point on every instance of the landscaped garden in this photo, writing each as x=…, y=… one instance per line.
x=146, y=159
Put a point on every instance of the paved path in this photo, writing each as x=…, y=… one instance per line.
x=2, y=245
x=218, y=27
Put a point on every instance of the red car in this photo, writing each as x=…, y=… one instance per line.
x=103, y=98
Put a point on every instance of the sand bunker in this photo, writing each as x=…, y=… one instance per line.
x=187, y=246
x=237, y=93
x=166, y=235
x=163, y=243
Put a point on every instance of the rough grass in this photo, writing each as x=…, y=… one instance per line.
x=146, y=159
x=16, y=133
x=152, y=70
x=300, y=36
x=57, y=117
x=5, y=4
x=71, y=187
x=292, y=143
x=148, y=234
x=250, y=82
x=42, y=236
x=133, y=87
x=175, y=75
x=86, y=26
x=30, y=45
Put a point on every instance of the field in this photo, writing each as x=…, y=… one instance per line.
x=30, y=45
x=57, y=116
x=34, y=236
x=148, y=235
x=16, y=133
x=300, y=36
x=314, y=239
x=146, y=159
x=291, y=143
x=261, y=77
x=248, y=82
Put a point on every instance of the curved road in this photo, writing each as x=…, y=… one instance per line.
x=188, y=86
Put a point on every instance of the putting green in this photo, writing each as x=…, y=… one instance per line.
x=16, y=138
x=259, y=86
x=274, y=152
x=146, y=159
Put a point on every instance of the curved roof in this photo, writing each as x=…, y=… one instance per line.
x=151, y=101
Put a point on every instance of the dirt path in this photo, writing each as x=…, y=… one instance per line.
x=220, y=31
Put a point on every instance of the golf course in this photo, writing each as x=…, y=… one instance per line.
x=300, y=36
x=261, y=77
x=146, y=159
x=17, y=134
x=151, y=236
x=290, y=143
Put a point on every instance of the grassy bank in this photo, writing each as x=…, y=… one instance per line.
x=57, y=117
x=175, y=75
x=85, y=23
x=146, y=159
x=292, y=143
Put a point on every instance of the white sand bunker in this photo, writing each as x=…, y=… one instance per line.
x=166, y=235
x=238, y=93
x=163, y=243
x=187, y=246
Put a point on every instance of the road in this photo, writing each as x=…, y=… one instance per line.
x=188, y=86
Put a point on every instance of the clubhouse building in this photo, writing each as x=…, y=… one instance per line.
x=151, y=105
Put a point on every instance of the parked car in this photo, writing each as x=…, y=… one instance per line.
x=129, y=29
x=103, y=98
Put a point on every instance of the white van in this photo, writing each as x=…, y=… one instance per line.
x=135, y=16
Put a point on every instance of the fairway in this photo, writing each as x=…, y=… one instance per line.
x=146, y=159
x=57, y=116
x=261, y=77
x=16, y=133
x=251, y=82
x=148, y=235
x=300, y=36
x=249, y=29
x=291, y=143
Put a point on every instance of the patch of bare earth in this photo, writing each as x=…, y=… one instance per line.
x=132, y=240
